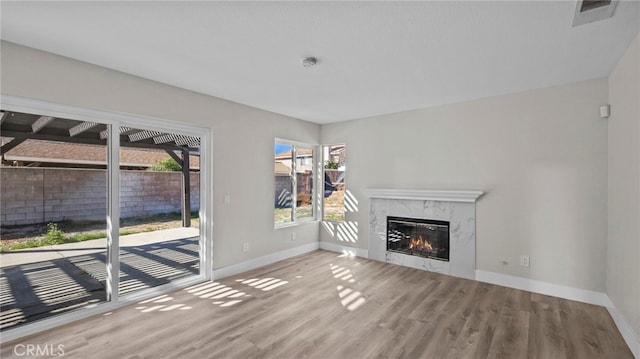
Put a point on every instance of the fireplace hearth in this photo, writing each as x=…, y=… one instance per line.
x=418, y=237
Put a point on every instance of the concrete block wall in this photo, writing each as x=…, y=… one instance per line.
x=72, y=194
x=283, y=188
x=40, y=195
x=21, y=196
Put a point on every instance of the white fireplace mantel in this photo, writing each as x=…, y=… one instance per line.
x=424, y=195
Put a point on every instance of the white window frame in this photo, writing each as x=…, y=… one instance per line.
x=314, y=178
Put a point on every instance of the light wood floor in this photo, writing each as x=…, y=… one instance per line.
x=321, y=305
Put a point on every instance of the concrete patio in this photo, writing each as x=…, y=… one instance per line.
x=39, y=282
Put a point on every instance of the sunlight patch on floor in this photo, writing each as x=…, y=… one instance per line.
x=350, y=298
x=342, y=273
x=161, y=303
x=264, y=284
x=223, y=295
x=347, y=254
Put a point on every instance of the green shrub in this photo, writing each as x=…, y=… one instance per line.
x=330, y=165
x=166, y=165
x=54, y=234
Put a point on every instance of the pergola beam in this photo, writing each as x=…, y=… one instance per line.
x=175, y=157
x=41, y=123
x=186, y=190
x=186, y=185
x=88, y=141
x=82, y=127
x=143, y=135
x=11, y=144
x=165, y=138
x=188, y=141
x=136, y=135
x=123, y=131
x=180, y=140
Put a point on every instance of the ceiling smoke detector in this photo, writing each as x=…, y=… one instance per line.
x=309, y=62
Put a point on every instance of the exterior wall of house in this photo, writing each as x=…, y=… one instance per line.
x=623, y=245
x=540, y=156
x=241, y=157
x=42, y=195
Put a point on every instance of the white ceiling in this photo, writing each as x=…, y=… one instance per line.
x=374, y=57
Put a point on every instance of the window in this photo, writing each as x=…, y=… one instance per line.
x=293, y=171
x=334, y=172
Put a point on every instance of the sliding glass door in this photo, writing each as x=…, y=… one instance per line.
x=95, y=210
x=53, y=193
x=159, y=205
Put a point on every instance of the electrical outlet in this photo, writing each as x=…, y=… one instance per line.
x=245, y=247
x=524, y=261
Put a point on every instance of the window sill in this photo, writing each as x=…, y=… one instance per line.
x=294, y=224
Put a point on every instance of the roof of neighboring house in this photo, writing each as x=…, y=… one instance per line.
x=300, y=152
x=83, y=154
x=280, y=169
x=335, y=149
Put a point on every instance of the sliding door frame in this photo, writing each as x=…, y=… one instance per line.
x=113, y=121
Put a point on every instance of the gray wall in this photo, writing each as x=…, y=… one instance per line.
x=41, y=195
x=541, y=157
x=623, y=251
x=242, y=164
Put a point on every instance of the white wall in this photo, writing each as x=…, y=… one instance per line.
x=243, y=140
x=623, y=268
x=541, y=156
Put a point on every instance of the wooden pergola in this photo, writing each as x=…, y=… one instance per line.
x=19, y=127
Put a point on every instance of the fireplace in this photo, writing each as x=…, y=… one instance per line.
x=418, y=237
x=457, y=209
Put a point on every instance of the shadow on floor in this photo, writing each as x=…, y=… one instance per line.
x=38, y=290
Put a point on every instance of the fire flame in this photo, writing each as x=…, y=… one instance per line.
x=420, y=244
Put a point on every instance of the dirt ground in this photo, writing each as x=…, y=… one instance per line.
x=334, y=206
x=19, y=234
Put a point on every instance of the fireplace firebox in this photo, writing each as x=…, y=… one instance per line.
x=418, y=237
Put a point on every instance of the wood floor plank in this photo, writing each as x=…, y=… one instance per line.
x=324, y=305
x=473, y=340
x=547, y=337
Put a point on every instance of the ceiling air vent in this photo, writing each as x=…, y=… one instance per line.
x=593, y=4
x=593, y=10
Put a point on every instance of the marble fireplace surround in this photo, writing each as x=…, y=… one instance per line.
x=457, y=207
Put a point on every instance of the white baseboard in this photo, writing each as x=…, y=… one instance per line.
x=358, y=252
x=536, y=286
x=254, y=263
x=580, y=295
x=630, y=336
